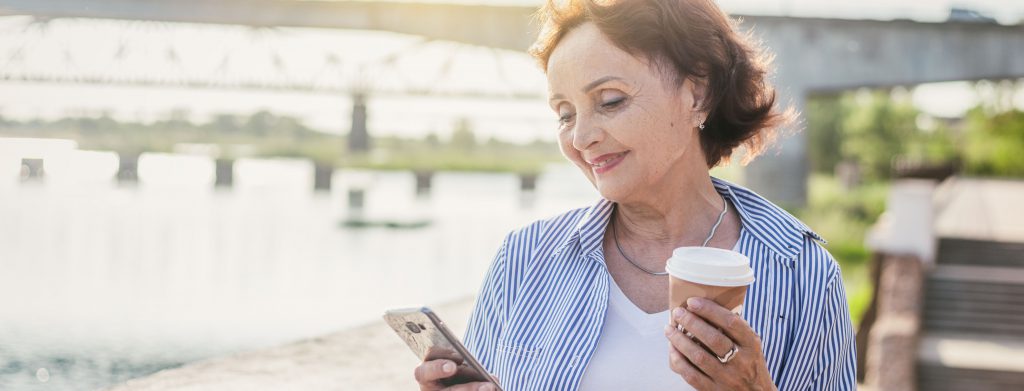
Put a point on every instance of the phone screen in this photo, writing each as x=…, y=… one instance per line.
x=430, y=339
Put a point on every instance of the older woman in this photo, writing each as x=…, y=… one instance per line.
x=651, y=94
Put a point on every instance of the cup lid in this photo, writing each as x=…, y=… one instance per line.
x=710, y=266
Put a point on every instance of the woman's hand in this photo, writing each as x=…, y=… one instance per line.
x=720, y=330
x=429, y=374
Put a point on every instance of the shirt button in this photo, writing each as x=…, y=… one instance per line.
x=574, y=361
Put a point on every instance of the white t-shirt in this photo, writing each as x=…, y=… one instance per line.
x=632, y=353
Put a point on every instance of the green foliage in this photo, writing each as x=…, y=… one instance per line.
x=995, y=143
x=938, y=144
x=495, y=155
x=877, y=131
x=463, y=137
x=843, y=217
x=872, y=128
x=268, y=135
x=858, y=291
x=431, y=140
x=825, y=115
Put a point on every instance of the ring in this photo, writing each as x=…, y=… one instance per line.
x=729, y=355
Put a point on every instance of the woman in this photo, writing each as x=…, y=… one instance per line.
x=650, y=95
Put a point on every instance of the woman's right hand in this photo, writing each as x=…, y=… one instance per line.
x=429, y=374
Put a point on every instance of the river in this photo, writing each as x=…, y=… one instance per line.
x=101, y=282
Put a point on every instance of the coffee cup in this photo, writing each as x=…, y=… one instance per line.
x=713, y=273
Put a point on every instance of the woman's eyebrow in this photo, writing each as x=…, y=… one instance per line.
x=590, y=86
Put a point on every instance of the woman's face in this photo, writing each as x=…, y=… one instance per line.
x=629, y=128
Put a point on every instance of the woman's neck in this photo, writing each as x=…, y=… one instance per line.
x=678, y=214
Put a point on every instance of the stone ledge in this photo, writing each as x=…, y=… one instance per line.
x=366, y=357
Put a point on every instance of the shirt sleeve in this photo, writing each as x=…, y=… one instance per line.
x=837, y=361
x=487, y=317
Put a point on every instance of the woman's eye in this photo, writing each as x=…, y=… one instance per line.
x=613, y=103
x=565, y=119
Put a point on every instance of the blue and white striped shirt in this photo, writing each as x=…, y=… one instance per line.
x=539, y=314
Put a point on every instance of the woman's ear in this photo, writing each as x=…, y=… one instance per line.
x=698, y=89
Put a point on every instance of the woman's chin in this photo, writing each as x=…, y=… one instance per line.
x=613, y=190
x=615, y=185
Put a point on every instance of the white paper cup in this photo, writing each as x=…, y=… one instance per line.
x=713, y=273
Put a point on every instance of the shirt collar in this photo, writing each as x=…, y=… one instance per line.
x=778, y=230
x=768, y=223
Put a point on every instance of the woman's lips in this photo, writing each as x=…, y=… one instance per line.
x=607, y=162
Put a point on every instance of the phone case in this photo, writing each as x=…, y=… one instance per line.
x=429, y=338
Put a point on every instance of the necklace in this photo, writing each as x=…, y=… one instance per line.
x=615, y=237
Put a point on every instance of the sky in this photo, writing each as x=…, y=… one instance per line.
x=85, y=48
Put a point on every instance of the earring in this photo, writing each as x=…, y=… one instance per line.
x=701, y=126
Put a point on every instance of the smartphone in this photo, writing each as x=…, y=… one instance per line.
x=430, y=339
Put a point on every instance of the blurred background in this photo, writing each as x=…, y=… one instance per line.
x=187, y=180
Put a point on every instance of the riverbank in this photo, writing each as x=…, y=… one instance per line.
x=362, y=358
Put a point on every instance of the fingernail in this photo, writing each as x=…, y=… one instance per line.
x=693, y=302
x=679, y=313
x=486, y=387
x=448, y=367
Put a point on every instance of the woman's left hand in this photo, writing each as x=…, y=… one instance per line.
x=721, y=330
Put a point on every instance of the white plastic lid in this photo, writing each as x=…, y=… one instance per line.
x=710, y=266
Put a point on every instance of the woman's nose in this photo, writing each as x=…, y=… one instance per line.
x=585, y=134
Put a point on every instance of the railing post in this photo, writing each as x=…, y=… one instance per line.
x=903, y=243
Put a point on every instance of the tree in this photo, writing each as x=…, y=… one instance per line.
x=825, y=115
x=224, y=124
x=995, y=142
x=878, y=128
x=431, y=140
x=463, y=137
x=261, y=123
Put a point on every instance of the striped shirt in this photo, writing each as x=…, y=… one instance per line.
x=539, y=314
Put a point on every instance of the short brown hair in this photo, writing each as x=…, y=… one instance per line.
x=689, y=38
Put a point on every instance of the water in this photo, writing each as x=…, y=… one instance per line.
x=100, y=283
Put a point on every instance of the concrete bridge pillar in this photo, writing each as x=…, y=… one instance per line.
x=224, y=173
x=32, y=169
x=424, y=178
x=128, y=168
x=358, y=135
x=356, y=199
x=527, y=181
x=322, y=176
x=527, y=189
x=780, y=173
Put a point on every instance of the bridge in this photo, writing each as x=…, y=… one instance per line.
x=813, y=55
